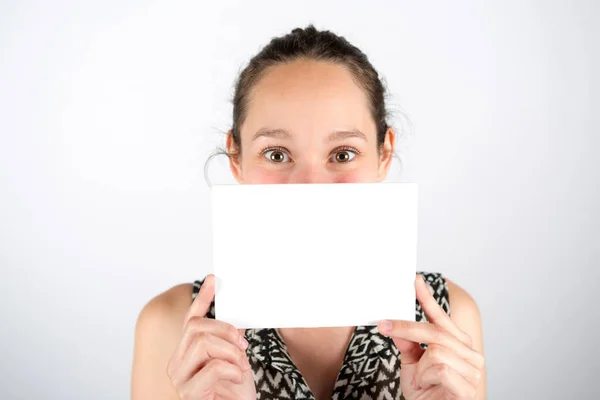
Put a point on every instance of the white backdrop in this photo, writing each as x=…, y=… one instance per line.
x=109, y=109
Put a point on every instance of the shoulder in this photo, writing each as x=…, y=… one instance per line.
x=467, y=316
x=443, y=289
x=169, y=307
x=463, y=304
x=158, y=331
x=456, y=301
x=465, y=313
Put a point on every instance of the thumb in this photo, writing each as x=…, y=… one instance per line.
x=410, y=352
x=242, y=333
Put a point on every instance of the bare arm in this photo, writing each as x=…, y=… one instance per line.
x=466, y=315
x=180, y=353
x=158, y=331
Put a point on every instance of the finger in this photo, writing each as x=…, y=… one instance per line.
x=205, y=380
x=447, y=378
x=436, y=355
x=198, y=325
x=218, y=328
x=411, y=352
x=203, y=300
x=221, y=392
x=207, y=348
x=420, y=332
x=434, y=313
x=242, y=332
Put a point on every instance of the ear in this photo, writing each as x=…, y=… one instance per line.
x=386, y=154
x=234, y=157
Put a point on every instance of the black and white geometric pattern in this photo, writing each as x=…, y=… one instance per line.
x=371, y=366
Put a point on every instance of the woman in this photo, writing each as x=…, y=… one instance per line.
x=309, y=108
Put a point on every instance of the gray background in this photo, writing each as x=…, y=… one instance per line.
x=109, y=109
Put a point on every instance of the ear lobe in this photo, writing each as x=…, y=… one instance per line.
x=234, y=158
x=387, y=154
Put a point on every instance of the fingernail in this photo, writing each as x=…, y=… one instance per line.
x=218, y=284
x=385, y=326
x=246, y=364
x=243, y=343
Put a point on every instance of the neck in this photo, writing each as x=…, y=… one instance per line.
x=318, y=353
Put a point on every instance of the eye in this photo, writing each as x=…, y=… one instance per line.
x=344, y=155
x=276, y=156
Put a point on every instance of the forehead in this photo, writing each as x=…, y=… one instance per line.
x=310, y=97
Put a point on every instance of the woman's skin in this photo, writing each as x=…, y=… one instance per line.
x=307, y=122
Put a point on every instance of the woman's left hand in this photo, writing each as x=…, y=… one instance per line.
x=449, y=369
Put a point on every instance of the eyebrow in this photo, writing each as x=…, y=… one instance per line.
x=346, y=134
x=273, y=133
x=333, y=136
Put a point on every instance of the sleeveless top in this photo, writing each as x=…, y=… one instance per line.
x=370, y=369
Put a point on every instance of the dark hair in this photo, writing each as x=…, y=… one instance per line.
x=310, y=43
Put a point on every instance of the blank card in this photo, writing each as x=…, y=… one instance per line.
x=314, y=255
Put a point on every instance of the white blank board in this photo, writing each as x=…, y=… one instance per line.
x=314, y=255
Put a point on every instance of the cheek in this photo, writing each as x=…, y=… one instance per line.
x=357, y=176
x=264, y=176
x=365, y=172
x=253, y=172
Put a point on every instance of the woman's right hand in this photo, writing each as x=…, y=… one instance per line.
x=210, y=361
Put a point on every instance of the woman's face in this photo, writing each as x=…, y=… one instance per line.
x=309, y=122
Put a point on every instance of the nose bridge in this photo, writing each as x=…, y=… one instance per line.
x=309, y=170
